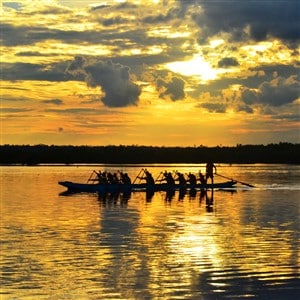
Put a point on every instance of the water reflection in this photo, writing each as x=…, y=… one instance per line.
x=184, y=245
x=121, y=199
x=109, y=199
x=208, y=196
x=114, y=199
x=138, y=251
x=123, y=262
x=190, y=255
x=149, y=195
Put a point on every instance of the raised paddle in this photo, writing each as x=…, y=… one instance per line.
x=244, y=183
x=138, y=175
x=91, y=176
x=159, y=175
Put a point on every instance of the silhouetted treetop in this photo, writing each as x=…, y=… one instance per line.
x=36, y=154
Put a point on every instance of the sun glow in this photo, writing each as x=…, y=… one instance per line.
x=197, y=66
x=216, y=43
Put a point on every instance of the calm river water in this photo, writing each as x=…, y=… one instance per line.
x=245, y=245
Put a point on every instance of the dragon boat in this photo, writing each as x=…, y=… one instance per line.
x=114, y=188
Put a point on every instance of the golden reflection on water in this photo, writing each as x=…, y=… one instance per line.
x=90, y=247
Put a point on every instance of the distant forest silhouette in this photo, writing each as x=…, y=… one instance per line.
x=44, y=154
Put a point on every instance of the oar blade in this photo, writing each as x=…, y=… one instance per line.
x=247, y=184
x=241, y=182
x=138, y=175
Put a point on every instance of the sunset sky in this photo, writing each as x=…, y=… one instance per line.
x=166, y=73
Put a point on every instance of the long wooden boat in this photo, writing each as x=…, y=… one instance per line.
x=113, y=188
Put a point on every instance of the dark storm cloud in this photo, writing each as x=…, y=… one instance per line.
x=114, y=80
x=125, y=5
x=282, y=70
x=27, y=71
x=103, y=15
x=99, y=7
x=35, y=54
x=186, y=5
x=173, y=88
x=214, y=107
x=228, y=62
x=257, y=75
x=113, y=21
x=139, y=61
x=56, y=71
x=288, y=117
x=244, y=107
x=11, y=35
x=134, y=33
x=251, y=18
x=270, y=86
x=25, y=35
x=277, y=92
x=155, y=18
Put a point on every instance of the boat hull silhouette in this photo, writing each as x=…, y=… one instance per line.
x=111, y=188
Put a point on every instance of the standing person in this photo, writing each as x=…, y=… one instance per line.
x=210, y=166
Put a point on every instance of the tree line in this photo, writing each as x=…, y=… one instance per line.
x=38, y=154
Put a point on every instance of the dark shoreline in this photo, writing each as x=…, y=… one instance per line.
x=286, y=153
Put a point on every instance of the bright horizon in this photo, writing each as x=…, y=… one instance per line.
x=150, y=73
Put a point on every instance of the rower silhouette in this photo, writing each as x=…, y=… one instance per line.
x=210, y=166
x=149, y=178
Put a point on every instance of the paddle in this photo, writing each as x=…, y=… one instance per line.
x=138, y=175
x=244, y=183
x=159, y=175
x=91, y=176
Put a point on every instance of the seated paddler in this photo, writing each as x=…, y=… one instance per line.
x=181, y=179
x=168, y=178
x=148, y=177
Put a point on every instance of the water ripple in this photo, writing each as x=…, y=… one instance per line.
x=242, y=245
